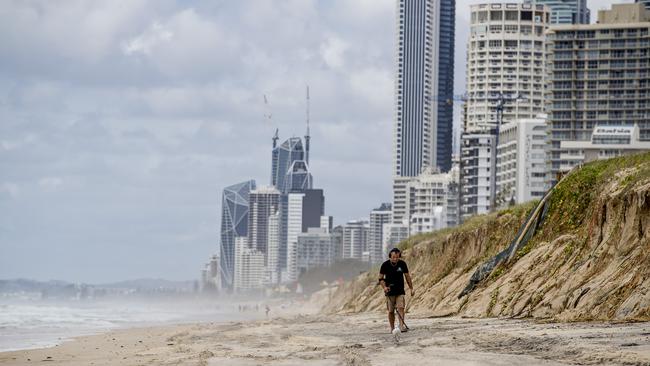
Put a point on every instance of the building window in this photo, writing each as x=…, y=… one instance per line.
x=511, y=15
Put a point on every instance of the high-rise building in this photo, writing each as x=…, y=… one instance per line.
x=378, y=217
x=393, y=235
x=211, y=275
x=273, y=250
x=250, y=272
x=338, y=247
x=428, y=197
x=282, y=158
x=315, y=249
x=355, y=234
x=521, y=161
x=424, y=85
x=234, y=222
x=506, y=64
x=599, y=77
x=327, y=223
x=298, y=177
x=476, y=165
x=289, y=173
x=264, y=202
x=401, y=205
x=304, y=211
x=566, y=11
x=505, y=56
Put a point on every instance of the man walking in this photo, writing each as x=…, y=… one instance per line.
x=391, y=278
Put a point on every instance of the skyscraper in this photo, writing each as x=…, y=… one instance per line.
x=250, y=271
x=424, y=86
x=264, y=203
x=234, y=223
x=599, y=77
x=298, y=177
x=289, y=173
x=282, y=158
x=506, y=60
x=566, y=11
x=355, y=239
x=505, y=55
x=315, y=249
x=273, y=249
x=305, y=210
x=521, y=161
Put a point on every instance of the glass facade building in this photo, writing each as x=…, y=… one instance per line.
x=298, y=177
x=282, y=158
x=424, y=85
x=234, y=223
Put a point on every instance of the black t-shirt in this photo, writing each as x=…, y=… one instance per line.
x=394, y=276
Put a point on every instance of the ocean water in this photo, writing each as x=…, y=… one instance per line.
x=37, y=324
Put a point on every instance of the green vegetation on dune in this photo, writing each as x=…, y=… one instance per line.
x=572, y=198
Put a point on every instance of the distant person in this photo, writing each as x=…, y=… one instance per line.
x=391, y=279
x=267, y=309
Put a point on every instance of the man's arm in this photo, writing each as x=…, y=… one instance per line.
x=382, y=282
x=408, y=281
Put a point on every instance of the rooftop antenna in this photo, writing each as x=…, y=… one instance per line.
x=268, y=116
x=307, y=134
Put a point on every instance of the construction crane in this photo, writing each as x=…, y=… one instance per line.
x=307, y=137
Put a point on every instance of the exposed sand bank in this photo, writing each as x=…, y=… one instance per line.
x=354, y=340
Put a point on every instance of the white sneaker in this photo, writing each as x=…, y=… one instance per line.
x=396, y=333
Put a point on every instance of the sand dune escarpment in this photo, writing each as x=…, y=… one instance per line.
x=588, y=260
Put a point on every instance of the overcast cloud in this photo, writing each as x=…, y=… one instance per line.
x=122, y=121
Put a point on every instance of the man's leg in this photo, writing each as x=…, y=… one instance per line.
x=390, y=305
x=402, y=326
x=400, y=303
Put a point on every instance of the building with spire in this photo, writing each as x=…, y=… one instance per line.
x=283, y=157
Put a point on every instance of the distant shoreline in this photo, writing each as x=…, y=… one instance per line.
x=33, y=325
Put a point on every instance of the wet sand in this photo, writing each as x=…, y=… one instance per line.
x=354, y=340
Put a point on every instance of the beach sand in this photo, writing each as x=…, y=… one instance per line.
x=354, y=340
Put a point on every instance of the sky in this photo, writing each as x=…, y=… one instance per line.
x=122, y=121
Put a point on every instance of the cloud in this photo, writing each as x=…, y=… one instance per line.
x=333, y=52
x=123, y=121
x=145, y=42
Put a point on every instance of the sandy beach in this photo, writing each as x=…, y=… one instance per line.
x=354, y=340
